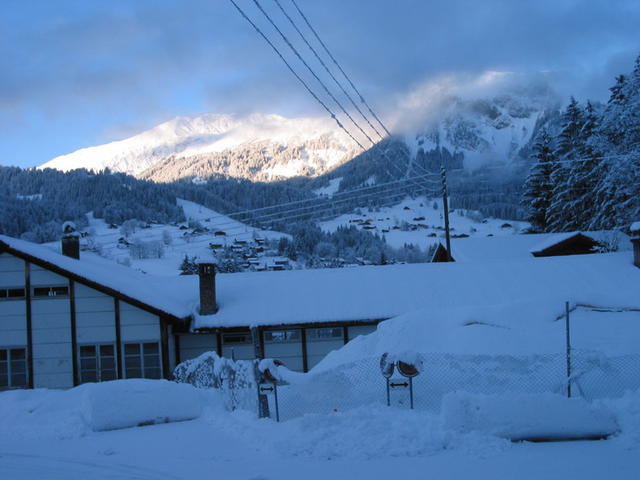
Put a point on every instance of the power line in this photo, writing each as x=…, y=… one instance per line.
x=327, y=211
x=266, y=39
x=337, y=195
x=304, y=62
x=305, y=84
x=381, y=188
x=313, y=50
x=339, y=67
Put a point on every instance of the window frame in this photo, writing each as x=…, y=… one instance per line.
x=313, y=334
x=141, y=356
x=290, y=335
x=38, y=296
x=8, y=298
x=8, y=362
x=99, y=359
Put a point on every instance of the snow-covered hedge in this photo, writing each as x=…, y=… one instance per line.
x=234, y=378
x=43, y=413
x=136, y=402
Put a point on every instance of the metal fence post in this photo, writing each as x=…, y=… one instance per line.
x=567, y=327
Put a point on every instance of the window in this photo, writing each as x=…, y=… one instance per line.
x=324, y=333
x=142, y=360
x=235, y=338
x=59, y=291
x=13, y=368
x=281, y=336
x=97, y=363
x=12, y=293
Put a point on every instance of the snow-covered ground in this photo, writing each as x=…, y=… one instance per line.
x=45, y=437
x=420, y=221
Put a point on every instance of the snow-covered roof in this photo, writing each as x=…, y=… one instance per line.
x=521, y=246
x=145, y=289
x=375, y=292
x=367, y=293
x=635, y=227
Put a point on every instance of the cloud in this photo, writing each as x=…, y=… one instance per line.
x=128, y=63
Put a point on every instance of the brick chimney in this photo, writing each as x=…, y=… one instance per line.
x=635, y=240
x=70, y=240
x=207, y=274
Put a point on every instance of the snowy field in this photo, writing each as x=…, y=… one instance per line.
x=46, y=434
x=178, y=242
x=425, y=215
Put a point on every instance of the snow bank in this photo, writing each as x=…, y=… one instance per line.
x=527, y=417
x=370, y=432
x=137, y=402
x=519, y=328
x=72, y=413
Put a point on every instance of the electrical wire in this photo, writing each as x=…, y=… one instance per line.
x=266, y=39
x=339, y=67
x=324, y=65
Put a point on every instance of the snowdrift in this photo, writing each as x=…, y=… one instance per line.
x=43, y=413
x=527, y=417
x=138, y=402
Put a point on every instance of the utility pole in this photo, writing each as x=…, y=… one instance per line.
x=445, y=205
x=263, y=402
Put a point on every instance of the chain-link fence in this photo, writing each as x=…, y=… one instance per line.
x=593, y=376
x=588, y=374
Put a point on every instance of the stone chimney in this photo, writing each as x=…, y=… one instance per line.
x=207, y=274
x=635, y=240
x=70, y=240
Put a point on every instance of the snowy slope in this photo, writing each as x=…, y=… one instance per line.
x=420, y=222
x=179, y=241
x=187, y=137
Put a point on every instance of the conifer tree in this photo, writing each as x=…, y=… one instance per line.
x=570, y=142
x=538, y=187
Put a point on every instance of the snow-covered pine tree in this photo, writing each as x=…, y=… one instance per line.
x=618, y=194
x=538, y=187
x=560, y=217
x=583, y=174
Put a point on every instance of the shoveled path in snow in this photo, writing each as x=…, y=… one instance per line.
x=242, y=448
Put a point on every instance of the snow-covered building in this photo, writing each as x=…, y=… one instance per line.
x=65, y=320
x=514, y=247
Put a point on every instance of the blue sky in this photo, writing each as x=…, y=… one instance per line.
x=76, y=73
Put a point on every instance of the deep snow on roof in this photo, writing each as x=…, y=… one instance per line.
x=376, y=292
x=367, y=293
x=147, y=289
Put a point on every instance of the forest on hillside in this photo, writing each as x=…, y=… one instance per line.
x=582, y=174
x=586, y=176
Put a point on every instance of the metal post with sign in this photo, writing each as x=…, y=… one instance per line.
x=407, y=370
x=271, y=389
x=386, y=368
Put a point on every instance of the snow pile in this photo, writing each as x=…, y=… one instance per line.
x=137, y=402
x=43, y=413
x=527, y=417
x=365, y=433
x=627, y=411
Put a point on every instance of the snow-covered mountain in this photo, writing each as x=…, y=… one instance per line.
x=473, y=126
x=314, y=143
x=490, y=121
